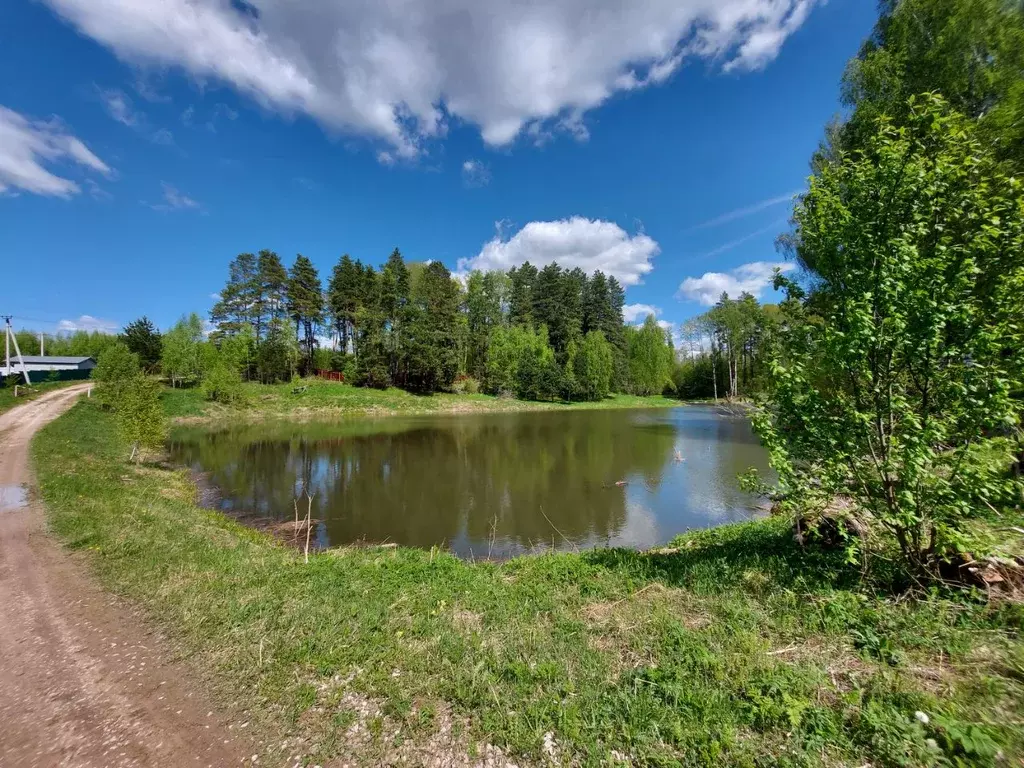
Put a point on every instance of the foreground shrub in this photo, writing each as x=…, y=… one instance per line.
x=894, y=386
x=115, y=367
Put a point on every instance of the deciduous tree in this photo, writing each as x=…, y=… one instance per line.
x=901, y=394
x=181, y=357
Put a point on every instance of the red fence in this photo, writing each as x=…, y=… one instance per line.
x=331, y=375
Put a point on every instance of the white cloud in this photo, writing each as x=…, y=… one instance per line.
x=575, y=242
x=25, y=146
x=96, y=192
x=740, y=213
x=750, y=278
x=173, y=200
x=633, y=313
x=220, y=111
x=397, y=69
x=120, y=107
x=638, y=314
x=88, y=323
x=475, y=173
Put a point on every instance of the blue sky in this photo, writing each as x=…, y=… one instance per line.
x=144, y=143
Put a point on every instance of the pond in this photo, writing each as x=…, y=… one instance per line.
x=491, y=484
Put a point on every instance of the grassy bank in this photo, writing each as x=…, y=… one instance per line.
x=324, y=399
x=8, y=400
x=736, y=649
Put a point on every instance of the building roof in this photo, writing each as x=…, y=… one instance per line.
x=51, y=360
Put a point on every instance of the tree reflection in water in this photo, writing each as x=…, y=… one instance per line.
x=489, y=483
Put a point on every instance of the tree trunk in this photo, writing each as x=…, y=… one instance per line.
x=714, y=371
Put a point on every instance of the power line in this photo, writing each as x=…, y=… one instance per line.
x=34, y=319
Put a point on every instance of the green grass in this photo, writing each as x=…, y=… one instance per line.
x=8, y=400
x=737, y=649
x=324, y=399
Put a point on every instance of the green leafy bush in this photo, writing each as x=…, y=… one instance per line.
x=115, y=367
x=895, y=385
x=223, y=384
x=466, y=385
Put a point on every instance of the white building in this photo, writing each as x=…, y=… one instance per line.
x=36, y=363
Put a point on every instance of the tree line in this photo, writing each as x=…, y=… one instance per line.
x=724, y=351
x=78, y=343
x=548, y=333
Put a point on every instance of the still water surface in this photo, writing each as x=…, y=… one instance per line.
x=494, y=484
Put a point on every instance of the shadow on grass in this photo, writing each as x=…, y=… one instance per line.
x=760, y=554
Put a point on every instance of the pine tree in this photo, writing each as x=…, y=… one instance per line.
x=570, y=328
x=596, y=304
x=615, y=332
x=305, y=306
x=238, y=303
x=521, y=279
x=393, y=298
x=485, y=296
x=143, y=339
x=343, y=298
x=372, y=365
x=273, y=291
x=430, y=347
x=394, y=285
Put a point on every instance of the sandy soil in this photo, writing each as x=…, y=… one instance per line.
x=83, y=682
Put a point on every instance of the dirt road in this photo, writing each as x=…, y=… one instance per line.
x=82, y=681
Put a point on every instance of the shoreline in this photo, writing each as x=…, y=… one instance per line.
x=329, y=401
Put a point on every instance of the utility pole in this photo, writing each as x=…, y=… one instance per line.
x=42, y=342
x=7, y=346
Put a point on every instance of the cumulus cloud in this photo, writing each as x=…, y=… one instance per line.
x=396, y=70
x=633, y=313
x=475, y=173
x=173, y=200
x=751, y=278
x=88, y=323
x=26, y=146
x=576, y=242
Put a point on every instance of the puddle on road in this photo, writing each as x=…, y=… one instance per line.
x=12, y=497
